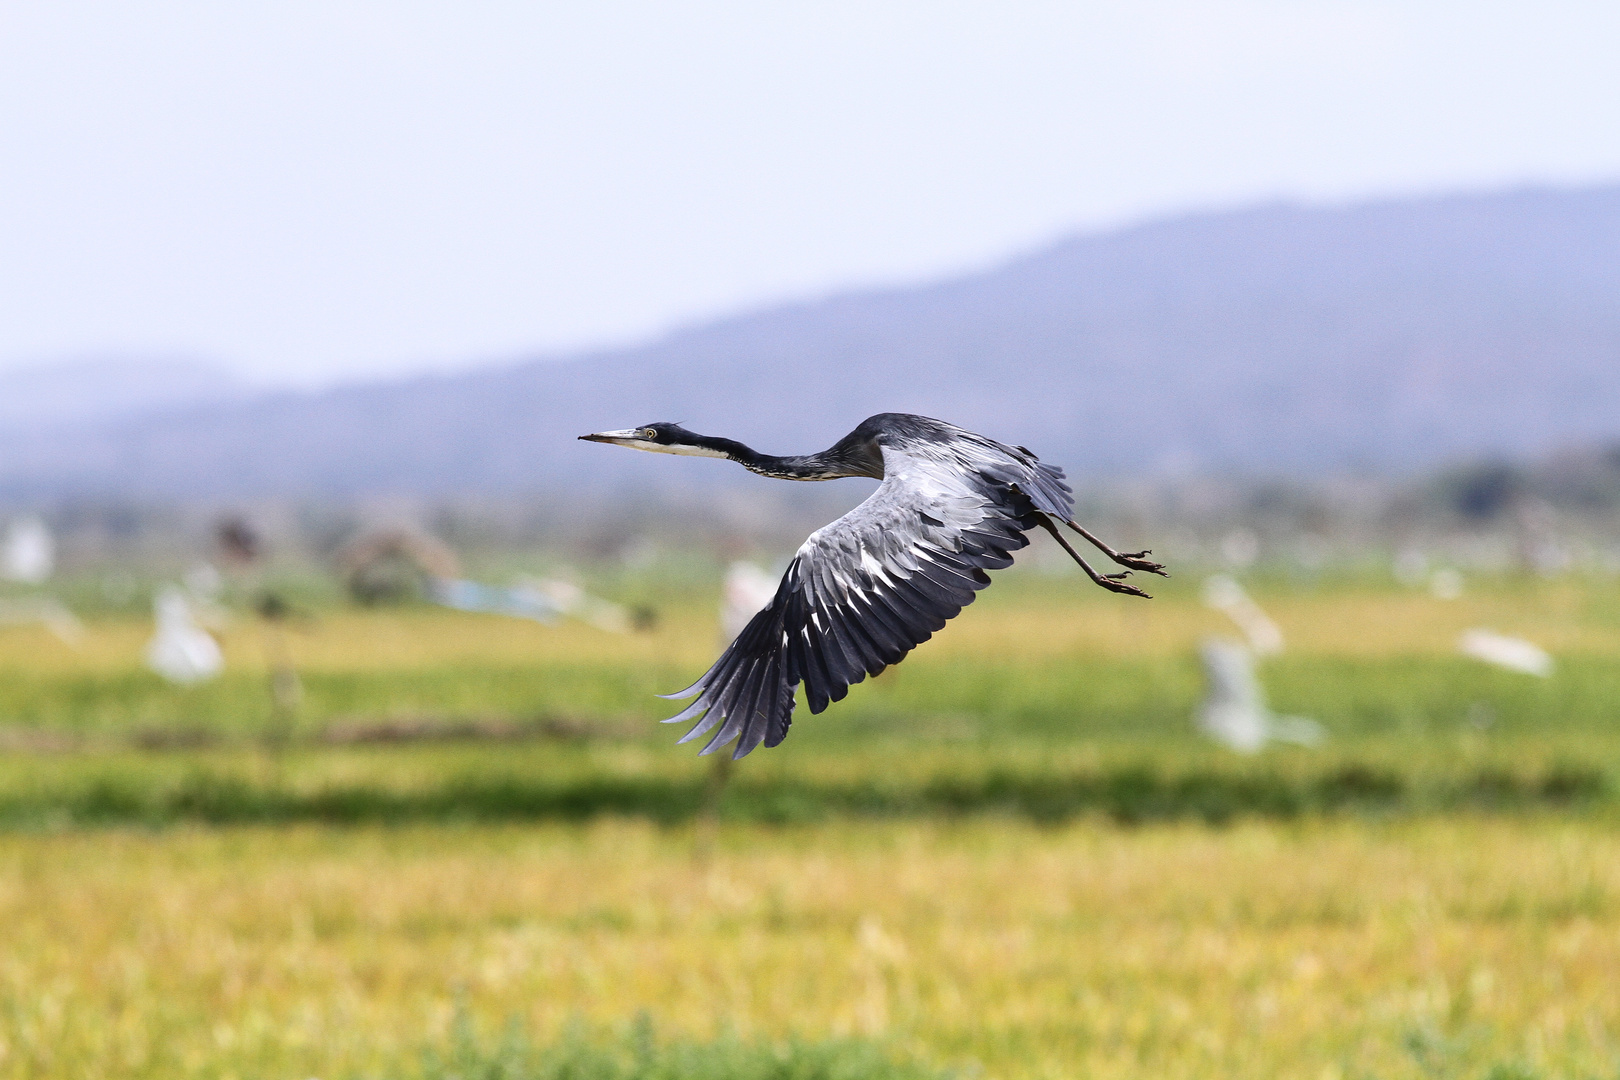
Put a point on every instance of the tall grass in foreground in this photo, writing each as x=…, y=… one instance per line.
x=1397, y=950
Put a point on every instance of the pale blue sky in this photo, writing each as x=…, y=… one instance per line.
x=311, y=192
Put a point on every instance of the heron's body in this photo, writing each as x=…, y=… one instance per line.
x=866, y=589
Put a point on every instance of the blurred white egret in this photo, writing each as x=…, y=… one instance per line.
x=1514, y=654
x=1234, y=712
x=181, y=651
x=28, y=553
x=1225, y=595
x=746, y=591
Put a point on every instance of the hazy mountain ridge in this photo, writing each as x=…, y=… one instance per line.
x=1278, y=339
x=98, y=389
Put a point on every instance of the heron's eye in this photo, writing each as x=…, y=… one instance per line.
x=650, y=433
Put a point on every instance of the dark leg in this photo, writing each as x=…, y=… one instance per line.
x=1111, y=582
x=1135, y=560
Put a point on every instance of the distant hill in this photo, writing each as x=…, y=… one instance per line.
x=1281, y=339
x=91, y=390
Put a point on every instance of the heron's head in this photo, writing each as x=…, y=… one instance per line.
x=660, y=439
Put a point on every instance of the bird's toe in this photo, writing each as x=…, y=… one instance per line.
x=1114, y=585
x=1138, y=560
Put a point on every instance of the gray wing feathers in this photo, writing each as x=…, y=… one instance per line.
x=866, y=589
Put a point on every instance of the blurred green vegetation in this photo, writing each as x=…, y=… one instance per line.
x=1046, y=699
x=637, y=1053
x=437, y=784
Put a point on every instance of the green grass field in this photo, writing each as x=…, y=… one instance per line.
x=1011, y=856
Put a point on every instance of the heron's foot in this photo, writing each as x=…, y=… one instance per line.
x=1138, y=560
x=1112, y=583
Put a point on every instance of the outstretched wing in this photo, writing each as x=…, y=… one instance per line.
x=868, y=588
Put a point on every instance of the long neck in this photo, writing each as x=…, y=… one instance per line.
x=831, y=464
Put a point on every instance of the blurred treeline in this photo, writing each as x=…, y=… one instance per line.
x=1549, y=515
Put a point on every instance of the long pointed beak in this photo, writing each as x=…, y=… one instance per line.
x=616, y=438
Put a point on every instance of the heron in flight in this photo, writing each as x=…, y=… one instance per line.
x=865, y=590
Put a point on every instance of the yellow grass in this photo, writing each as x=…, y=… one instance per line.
x=1263, y=951
x=1033, y=619
x=371, y=641
x=1382, y=623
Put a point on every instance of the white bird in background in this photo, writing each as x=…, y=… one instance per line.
x=1511, y=653
x=28, y=554
x=1234, y=713
x=181, y=651
x=1225, y=595
x=746, y=591
x=28, y=557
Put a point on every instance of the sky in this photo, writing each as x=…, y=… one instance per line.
x=311, y=193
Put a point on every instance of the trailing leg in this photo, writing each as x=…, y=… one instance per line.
x=1134, y=560
x=1111, y=582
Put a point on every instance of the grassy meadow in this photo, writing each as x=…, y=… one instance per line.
x=1011, y=856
